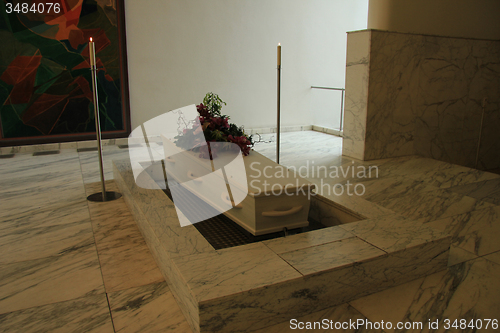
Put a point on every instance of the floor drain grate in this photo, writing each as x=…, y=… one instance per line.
x=82, y=150
x=47, y=152
x=130, y=146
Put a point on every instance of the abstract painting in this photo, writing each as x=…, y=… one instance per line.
x=45, y=77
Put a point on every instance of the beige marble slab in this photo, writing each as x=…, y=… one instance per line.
x=123, y=254
x=46, y=217
x=473, y=231
x=331, y=256
x=85, y=314
x=56, y=196
x=455, y=294
x=412, y=165
x=307, y=239
x=488, y=190
x=150, y=308
x=379, y=308
x=40, y=242
x=327, y=319
x=358, y=205
x=229, y=271
x=357, y=82
x=393, y=233
x=432, y=205
x=126, y=262
x=181, y=291
x=26, y=165
x=386, y=188
x=52, y=279
x=459, y=255
x=35, y=184
x=494, y=257
x=263, y=307
x=455, y=175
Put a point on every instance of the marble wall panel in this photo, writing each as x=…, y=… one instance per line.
x=394, y=72
x=357, y=74
x=425, y=96
x=455, y=76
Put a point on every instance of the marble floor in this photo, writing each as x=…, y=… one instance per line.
x=69, y=265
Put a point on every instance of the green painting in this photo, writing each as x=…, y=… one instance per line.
x=45, y=77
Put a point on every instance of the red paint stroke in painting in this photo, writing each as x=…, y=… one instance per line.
x=21, y=73
x=67, y=20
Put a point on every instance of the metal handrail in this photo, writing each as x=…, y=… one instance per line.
x=341, y=103
x=328, y=88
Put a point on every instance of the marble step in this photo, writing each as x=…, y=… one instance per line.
x=260, y=284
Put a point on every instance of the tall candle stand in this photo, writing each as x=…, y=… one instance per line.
x=278, y=127
x=103, y=195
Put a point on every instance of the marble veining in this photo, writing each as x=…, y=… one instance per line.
x=85, y=314
x=32, y=283
x=488, y=190
x=472, y=231
x=393, y=232
x=332, y=255
x=454, y=293
x=342, y=313
x=432, y=205
x=356, y=101
x=40, y=242
x=388, y=188
x=124, y=257
x=150, y=308
x=233, y=270
x=308, y=239
x=425, y=95
x=46, y=217
x=54, y=197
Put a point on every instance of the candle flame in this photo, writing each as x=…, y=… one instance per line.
x=90, y=38
x=279, y=44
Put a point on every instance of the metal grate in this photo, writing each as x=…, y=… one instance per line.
x=220, y=231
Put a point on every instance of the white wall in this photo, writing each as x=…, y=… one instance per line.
x=453, y=18
x=178, y=50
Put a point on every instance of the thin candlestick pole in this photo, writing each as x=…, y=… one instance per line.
x=98, y=129
x=104, y=196
x=278, y=128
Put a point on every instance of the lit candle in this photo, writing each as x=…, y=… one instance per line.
x=92, y=53
x=279, y=54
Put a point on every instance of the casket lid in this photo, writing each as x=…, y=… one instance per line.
x=265, y=177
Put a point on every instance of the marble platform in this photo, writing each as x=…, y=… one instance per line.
x=259, y=284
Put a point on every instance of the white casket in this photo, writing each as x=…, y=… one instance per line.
x=255, y=192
